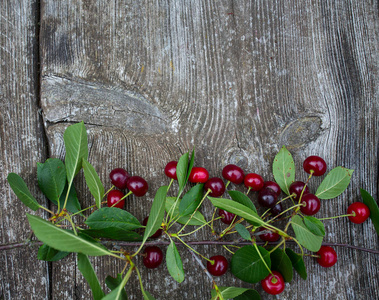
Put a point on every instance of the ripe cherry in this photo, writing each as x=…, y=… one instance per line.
x=233, y=174
x=312, y=204
x=361, y=211
x=119, y=177
x=254, y=181
x=137, y=185
x=274, y=283
x=157, y=234
x=268, y=235
x=153, y=257
x=328, y=257
x=170, y=170
x=198, y=175
x=277, y=209
x=314, y=164
x=297, y=187
x=267, y=197
x=113, y=197
x=216, y=185
x=273, y=185
x=219, y=266
x=227, y=217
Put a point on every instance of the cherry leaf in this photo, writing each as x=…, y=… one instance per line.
x=243, y=232
x=305, y=237
x=174, y=263
x=19, y=187
x=243, y=199
x=85, y=267
x=47, y=253
x=113, y=283
x=373, y=206
x=335, y=183
x=51, y=177
x=297, y=263
x=280, y=262
x=93, y=182
x=191, y=200
x=314, y=225
x=283, y=169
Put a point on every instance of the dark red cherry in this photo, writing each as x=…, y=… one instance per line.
x=216, y=185
x=267, y=197
x=314, y=164
x=268, y=235
x=113, y=197
x=297, y=187
x=361, y=211
x=170, y=170
x=119, y=177
x=328, y=257
x=254, y=181
x=137, y=185
x=312, y=204
x=272, y=185
x=219, y=266
x=157, y=234
x=227, y=217
x=277, y=209
x=153, y=257
x=274, y=283
x=233, y=174
x=198, y=175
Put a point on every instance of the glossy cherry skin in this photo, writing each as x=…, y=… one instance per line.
x=119, y=178
x=113, y=197
x=170, y=170
x=216, y=185
x=274, y=283
x=157, y=234
x=361, y=210
x=153, y=257
x=227, y=217
x=198, y=175
x=272, y=185
x=314, y=164
x=267, y=197
x=233, y=174
x=219, y=266
x=254, y=181
x=269, y=236
x=328, y=257
x=297, y=187
x=277, y=209
x=312, y=204
x=137, y=185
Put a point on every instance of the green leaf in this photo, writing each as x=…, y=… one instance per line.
x=113, y=283
x=174, y=263
x=73, y=204
x=314, y=225
x=85, y=267
x=19, y=187
x=249, y=295
x=191, y=200
x=243, y=232
x=297, y=263
x=229, y=292
x=190, y=164
x=304, y=236
x=114, y=234
x=280, y=262
x=147, y=295
x=283, y=169
x=118, y=293
x=112, y=217
x=373, y=207
x=181, y=171
x=243, y=199
x=93, y=181
x=335, y=183
x=51, y=178
x=47, y=253
x=64, y=240
x=247, y=265
x=197, y=219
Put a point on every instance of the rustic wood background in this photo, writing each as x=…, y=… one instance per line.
x=152, y=79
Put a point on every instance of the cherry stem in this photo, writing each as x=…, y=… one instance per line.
x=227, y=249
x=248, y=191
x=284, y=211
x=109, y=190
x=171, y=181
x=305, y=185
x=277, y=246
x=48, y=210
x=260, y=255
x=205, y=224
x=340, y=216
x=290, y=196
x=128, y=194
x=198, y=260
x=227, y=184
x=184, y=243
x=68, y=218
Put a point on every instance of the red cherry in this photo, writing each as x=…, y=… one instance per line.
x=314, y=164
x=157, y=234
x=137, y=185
x=119, y=177
x=312, y=204
x=113, y=197
x=170, y=170
x=233, y=174
x=216, y=185
x=153, y=257
x=198, y=175
x=267, y=197
x=361, y=210
x=268, y=236
x=227, y=217
x=274, y=283
x=277, y=209
x=297, y=187
x=219, y=266
x=254, y=181
x=328, y=257
x=272, y=185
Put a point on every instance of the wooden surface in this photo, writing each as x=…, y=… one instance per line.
x=152, y=79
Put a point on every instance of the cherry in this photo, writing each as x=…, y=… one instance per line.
x=153, y=257
x=297, y=187
x=254, y=181
x=216, y=185
x=274, y=283
x=267, y=197
x=315, y=165
x=198, y=175
x=273, y=185
x=361, y=210
x=113, y=197
x=268, y=236
x=119, y=177
x=219, y=265
x=227, y=217
x=157, y=234
x=328, y=257
x=170, y=170
x=137, y=185
x=277, y=209
x=233, y=174
x=312, y=204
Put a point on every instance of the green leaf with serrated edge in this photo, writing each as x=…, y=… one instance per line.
x=174, y=263
x=181, y=171
x=335, y=183
x=19, y=187
x=304, y=236
x=51, y=177
x=93, y=182
x=192, y=160
x=191, y=200
x=280, y=262
x=64, y=240
x=113, y=283
x=297, y=263
x=114, y=234
x=373, y=207
x=249, y=295
x=119, y=292
x=314, y=225
x=247, y=265
x=112, y=217
x=243, y=199
x=85, y=267
x=73, y=204
x=147, y=296
x=243, y=232
x=283, y=169
x=197, y=219
x=229, y=292
x=47, y=253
